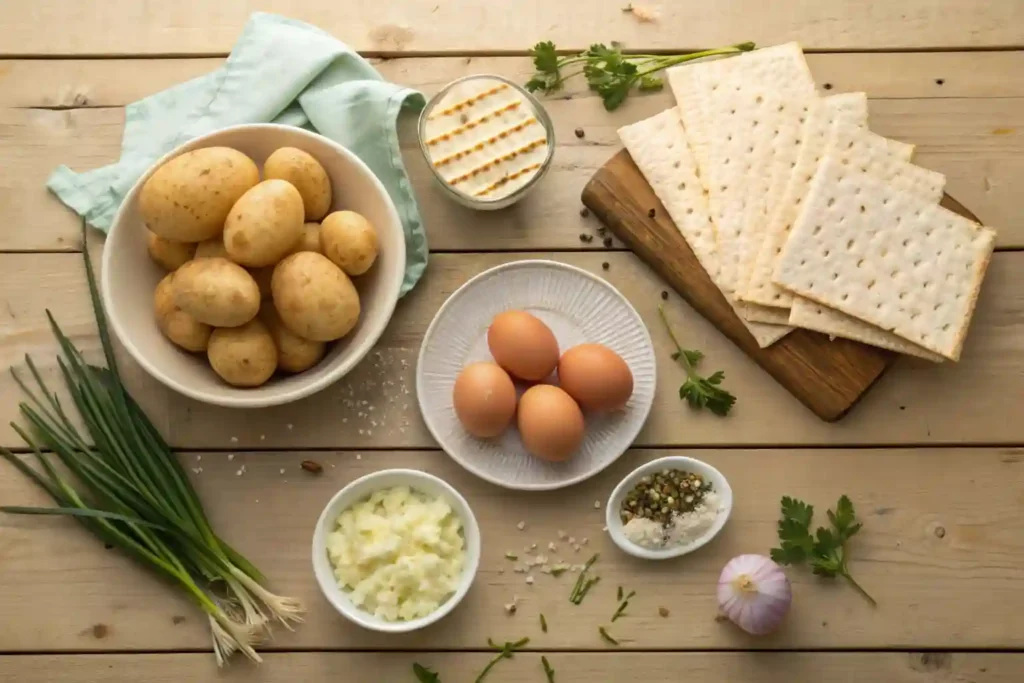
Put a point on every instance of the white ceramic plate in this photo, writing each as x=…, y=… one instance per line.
x=578, y=307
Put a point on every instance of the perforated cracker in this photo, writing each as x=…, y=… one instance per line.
x=887, y=257
x=858, y=148
x=815, y=134
x=659, y=147
x=731, y=109
x=814, y=316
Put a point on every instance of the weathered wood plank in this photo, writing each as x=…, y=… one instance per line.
x=124, y=27
x=116, y=82
x=942, y=551
x=977, y=142
x=328, y=667
x=915, y=403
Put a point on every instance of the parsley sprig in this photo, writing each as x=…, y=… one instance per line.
x=700, y=392
x=826, y=549
x=608, y=71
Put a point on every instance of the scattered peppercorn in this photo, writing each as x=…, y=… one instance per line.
x=579, y=133
x=662, y=612
x=586, y=238
x=601, y=230
x=664, y=295
x=311, y=466
x=828, y=86
x=939, y=81
x=650, y=214
x=607, y=241
x=605, y=266
x=584, y=212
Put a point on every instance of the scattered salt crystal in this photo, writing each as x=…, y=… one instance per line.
x=362, y=431
x=344, y=420
x=585, y=541
x=521, y=526
x=241, y=471
x=597, y=505
x=359, y=456
x=533, y=546
x=198, y=458
x=552, y=547
x=576, y=548
x=197, y=470
x=529, y=580
x=290, y=426
x=572, y=540
x=263, y=437
x=562, y=535
x=231, y=456
x=234, y=439
x=282, y=470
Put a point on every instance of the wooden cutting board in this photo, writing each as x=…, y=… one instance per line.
x=829, y=377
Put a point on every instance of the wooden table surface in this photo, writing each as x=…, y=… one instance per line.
x=933, y=457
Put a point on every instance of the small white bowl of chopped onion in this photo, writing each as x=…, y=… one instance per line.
x=396, y=550
x=685, y=532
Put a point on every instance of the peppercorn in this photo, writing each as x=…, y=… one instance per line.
x=650, y=214
x=607, y=241
x=664, y=295
x=579, y=132
x=605, y=265
x=586, y=238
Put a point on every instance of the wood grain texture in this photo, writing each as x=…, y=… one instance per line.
x=971, y=128
x=329, y=667
x=942, y=551
x=828, y=377
x=125, y=27
x=915, y=403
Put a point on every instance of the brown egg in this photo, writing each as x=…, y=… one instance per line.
x=596, y=377
x=484, y=399
x=523, y=345
x=550, y=423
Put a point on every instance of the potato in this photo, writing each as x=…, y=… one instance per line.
x=264, y=225
x=212, y=248
x=243, y=356
x=168, y=254
x=188, y=198
x=294, y=354
x=306, y=174
x=349, y=240
x=217, y=292
x=310, y=240
x=176, y=324
x=314, y=297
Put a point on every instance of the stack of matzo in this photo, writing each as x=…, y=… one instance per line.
x=802, y=216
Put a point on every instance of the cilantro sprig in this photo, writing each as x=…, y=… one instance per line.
x=608, y=71
x=826, y=550
x=700, y=392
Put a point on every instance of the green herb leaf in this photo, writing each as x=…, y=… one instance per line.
x=825, y=551
x=424, y=675
x=649, y=83
x=608, y=71
x=548, y=671
x=543, y=624
x=699, y=392
x=605, y=636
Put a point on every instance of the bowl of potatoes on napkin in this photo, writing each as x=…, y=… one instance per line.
x=253, y=266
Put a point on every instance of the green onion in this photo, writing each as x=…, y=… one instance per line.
x=129, y=489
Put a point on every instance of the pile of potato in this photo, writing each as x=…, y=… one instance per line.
x=255, y=281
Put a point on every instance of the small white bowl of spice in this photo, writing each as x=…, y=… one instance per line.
x=668, y=508
x=396, y=550
x=487, y=140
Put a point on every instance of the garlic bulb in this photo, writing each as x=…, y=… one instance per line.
x=754, y=593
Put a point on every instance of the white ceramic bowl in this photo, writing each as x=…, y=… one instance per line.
x=676, y=462
x=360, y=489
x=578, y=307
x=129, y=276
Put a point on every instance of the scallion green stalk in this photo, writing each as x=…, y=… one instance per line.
x=129, y=489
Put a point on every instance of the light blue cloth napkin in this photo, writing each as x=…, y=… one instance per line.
x=281, y=71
